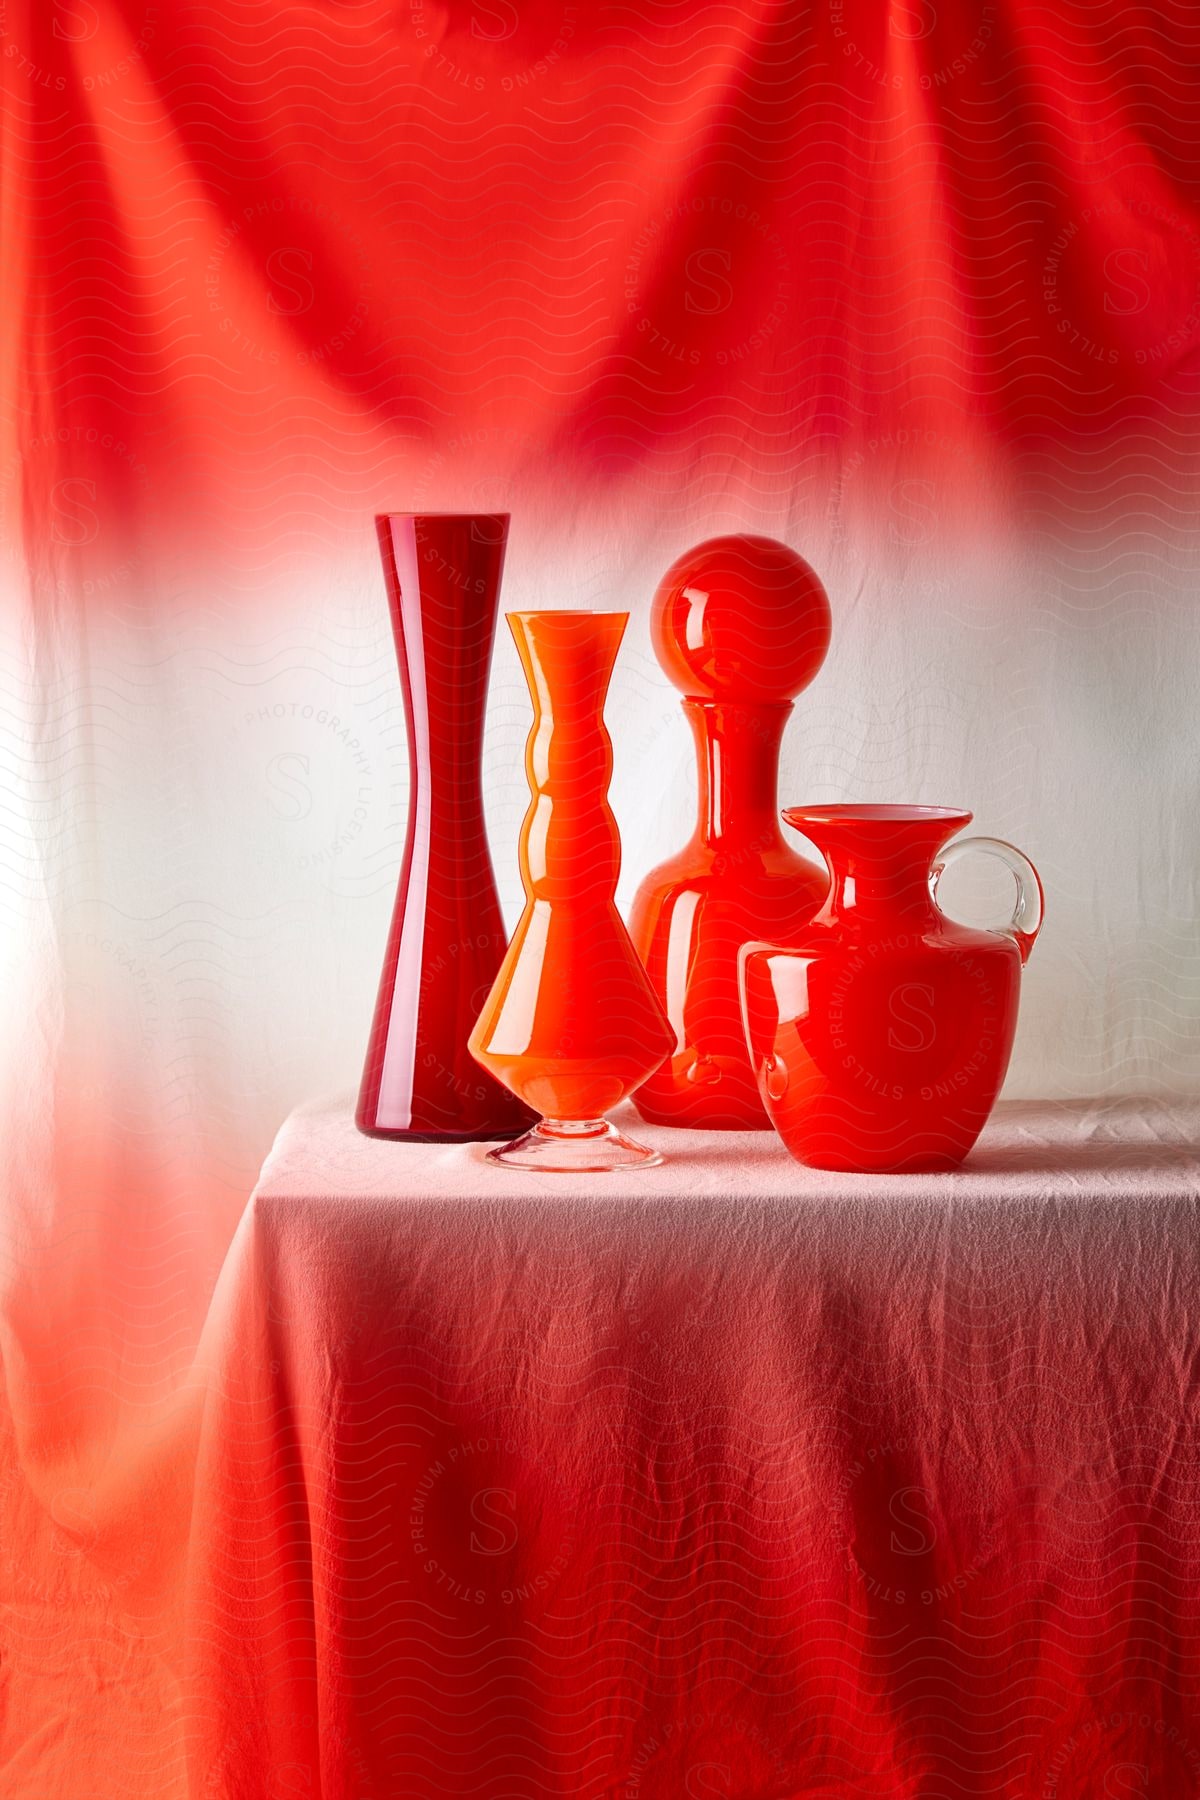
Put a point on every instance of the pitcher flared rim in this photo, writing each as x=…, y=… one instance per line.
x=852, y=813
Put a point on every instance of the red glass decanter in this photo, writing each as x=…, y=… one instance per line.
x=741, y=625
x=447, y=938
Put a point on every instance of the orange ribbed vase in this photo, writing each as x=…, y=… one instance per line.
x=572, y=1024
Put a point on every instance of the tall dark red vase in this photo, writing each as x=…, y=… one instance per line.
x=447, y=938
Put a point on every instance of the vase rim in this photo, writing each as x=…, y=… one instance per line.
x=567, y=612
x=883, y=814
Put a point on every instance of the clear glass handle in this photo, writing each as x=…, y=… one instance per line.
x=1026, y=921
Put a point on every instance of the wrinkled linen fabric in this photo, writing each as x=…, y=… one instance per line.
x=728, y=1478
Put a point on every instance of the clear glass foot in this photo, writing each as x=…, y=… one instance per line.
x=574, y=1147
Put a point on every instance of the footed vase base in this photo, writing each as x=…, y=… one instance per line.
x=575, y=1147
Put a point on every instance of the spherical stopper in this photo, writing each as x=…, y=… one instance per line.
x=740, y=618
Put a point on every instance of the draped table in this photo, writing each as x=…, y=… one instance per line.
x=726, y=1478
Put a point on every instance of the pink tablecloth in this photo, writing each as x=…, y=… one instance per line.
x=728, y=1478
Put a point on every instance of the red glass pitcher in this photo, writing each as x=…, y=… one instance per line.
x=880, y=1039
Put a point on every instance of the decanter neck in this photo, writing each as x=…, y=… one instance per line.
x=737, y=747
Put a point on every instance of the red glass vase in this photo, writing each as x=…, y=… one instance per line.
x=571, y=1024
x=741, y=625
x=447, y=937
x=881, y=1038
